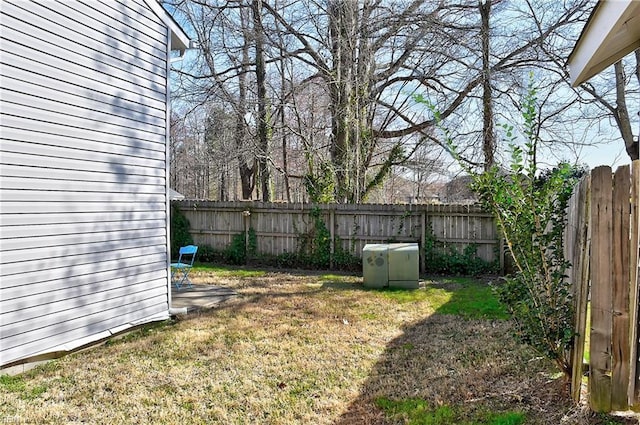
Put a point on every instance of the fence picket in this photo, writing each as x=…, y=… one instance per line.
x=634, y=277
x=601, y=293
x=577, y=249
x=620, y=287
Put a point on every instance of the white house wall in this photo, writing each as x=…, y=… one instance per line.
x=83, y=220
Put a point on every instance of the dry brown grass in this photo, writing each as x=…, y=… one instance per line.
x=294, y=349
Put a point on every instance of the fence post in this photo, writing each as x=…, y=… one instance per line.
x=246, y=216
x=423, y=240
x=332, y=230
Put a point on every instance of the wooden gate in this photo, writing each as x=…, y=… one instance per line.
x=601, y=242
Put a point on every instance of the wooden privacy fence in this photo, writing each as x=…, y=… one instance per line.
x=278, y=227
x=602, y=245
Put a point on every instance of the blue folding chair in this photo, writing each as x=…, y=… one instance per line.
x=180, y=270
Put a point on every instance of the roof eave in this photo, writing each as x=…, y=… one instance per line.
x=179, y=39
x=607, y=37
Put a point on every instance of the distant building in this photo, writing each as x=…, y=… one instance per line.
x=458, y=191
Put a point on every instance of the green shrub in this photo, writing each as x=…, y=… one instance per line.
x=206, y=254
x=236, y=252
x=287, y=260
x=344, y=260
x=319, y=249
x=179, y=231
x=537, y=293
x=530, y=211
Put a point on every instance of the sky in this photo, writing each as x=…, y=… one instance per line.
x=606, y=146
x=612, y=154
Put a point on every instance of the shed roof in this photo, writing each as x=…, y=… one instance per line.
x=612, y=32
x=175, y=195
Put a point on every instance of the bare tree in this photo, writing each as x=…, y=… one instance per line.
x=604, y=97
x=364, y=52
x=491, y=76
x=221, y=73
x=596, y=101
x=341, y=77
x=261, y=73
x=488, y=134
x=190, y=171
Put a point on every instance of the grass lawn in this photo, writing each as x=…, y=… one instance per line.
x=307, y=348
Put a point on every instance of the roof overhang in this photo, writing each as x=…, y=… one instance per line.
x=179, y=39
x=612, y=32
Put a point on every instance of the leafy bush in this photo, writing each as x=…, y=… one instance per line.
x=179, y=231
x=530, y=211
x=236, y=252
x=206, y=254
x=317, y=244
x=241, y=248
x=287, y=260
x=531, y=215
x=344, y=260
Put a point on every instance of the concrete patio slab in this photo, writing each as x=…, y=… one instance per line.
x=199, y=297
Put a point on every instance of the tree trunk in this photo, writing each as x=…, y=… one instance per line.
x=222, y=185
x=247, y=171
x=263, y=131
x=622, y=114
x=488, y=135
x=341, y=19
x=285, y=164
x=365, y=143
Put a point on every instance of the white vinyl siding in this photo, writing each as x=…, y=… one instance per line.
x=83, y=219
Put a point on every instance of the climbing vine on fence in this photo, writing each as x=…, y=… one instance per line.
x=442, y=258
x=314, y=246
